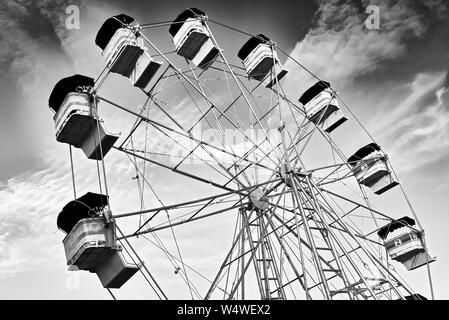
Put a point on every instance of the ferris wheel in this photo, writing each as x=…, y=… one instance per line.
x=238, y=145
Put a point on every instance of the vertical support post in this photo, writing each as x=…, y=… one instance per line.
x=311, y=242
x=243, y=255
x=264, y=256
x=254, y=253
x=287, y=255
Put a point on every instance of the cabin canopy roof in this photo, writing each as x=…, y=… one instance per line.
x=251, y=44
x=109, y=27
x=313, y=91
x=394, y=225
x=363, y=152
x=81, y=208
x=179, y=21
x=65, y=86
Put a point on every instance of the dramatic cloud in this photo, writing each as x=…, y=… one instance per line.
x=28, y=204
x=31, y=57
x=339, y=48
x=419, y=127
x=31, y=30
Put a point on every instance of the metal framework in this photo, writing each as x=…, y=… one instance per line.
x=302, y=231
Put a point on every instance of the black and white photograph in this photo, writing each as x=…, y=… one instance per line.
x=255, y=151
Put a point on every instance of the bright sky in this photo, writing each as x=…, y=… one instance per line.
x=394, y=79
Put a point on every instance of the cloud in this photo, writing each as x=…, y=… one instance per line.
x=29, y=47
x=28, y=29
x=28, y=205
x=31, y=58
x=339, y=48
x=419, y=127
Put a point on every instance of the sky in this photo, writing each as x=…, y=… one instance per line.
x=394, y=79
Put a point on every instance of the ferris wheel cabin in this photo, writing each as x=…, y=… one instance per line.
x=322, y=107
x=192, y=39
x=125, y=52
x=261, y=61
x=371, y=168
x=75, y=118
x=406, y=247
x=91, y=243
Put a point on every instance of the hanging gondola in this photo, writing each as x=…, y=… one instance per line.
x=125, y=52
x=76, y=118
x=192, y=39
x=322, y=107
x=261, y=61
x=371, y=168
x=90, y=243
x=407, y=247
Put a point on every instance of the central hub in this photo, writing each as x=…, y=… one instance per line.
x=259, y=199
x=285, y=172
